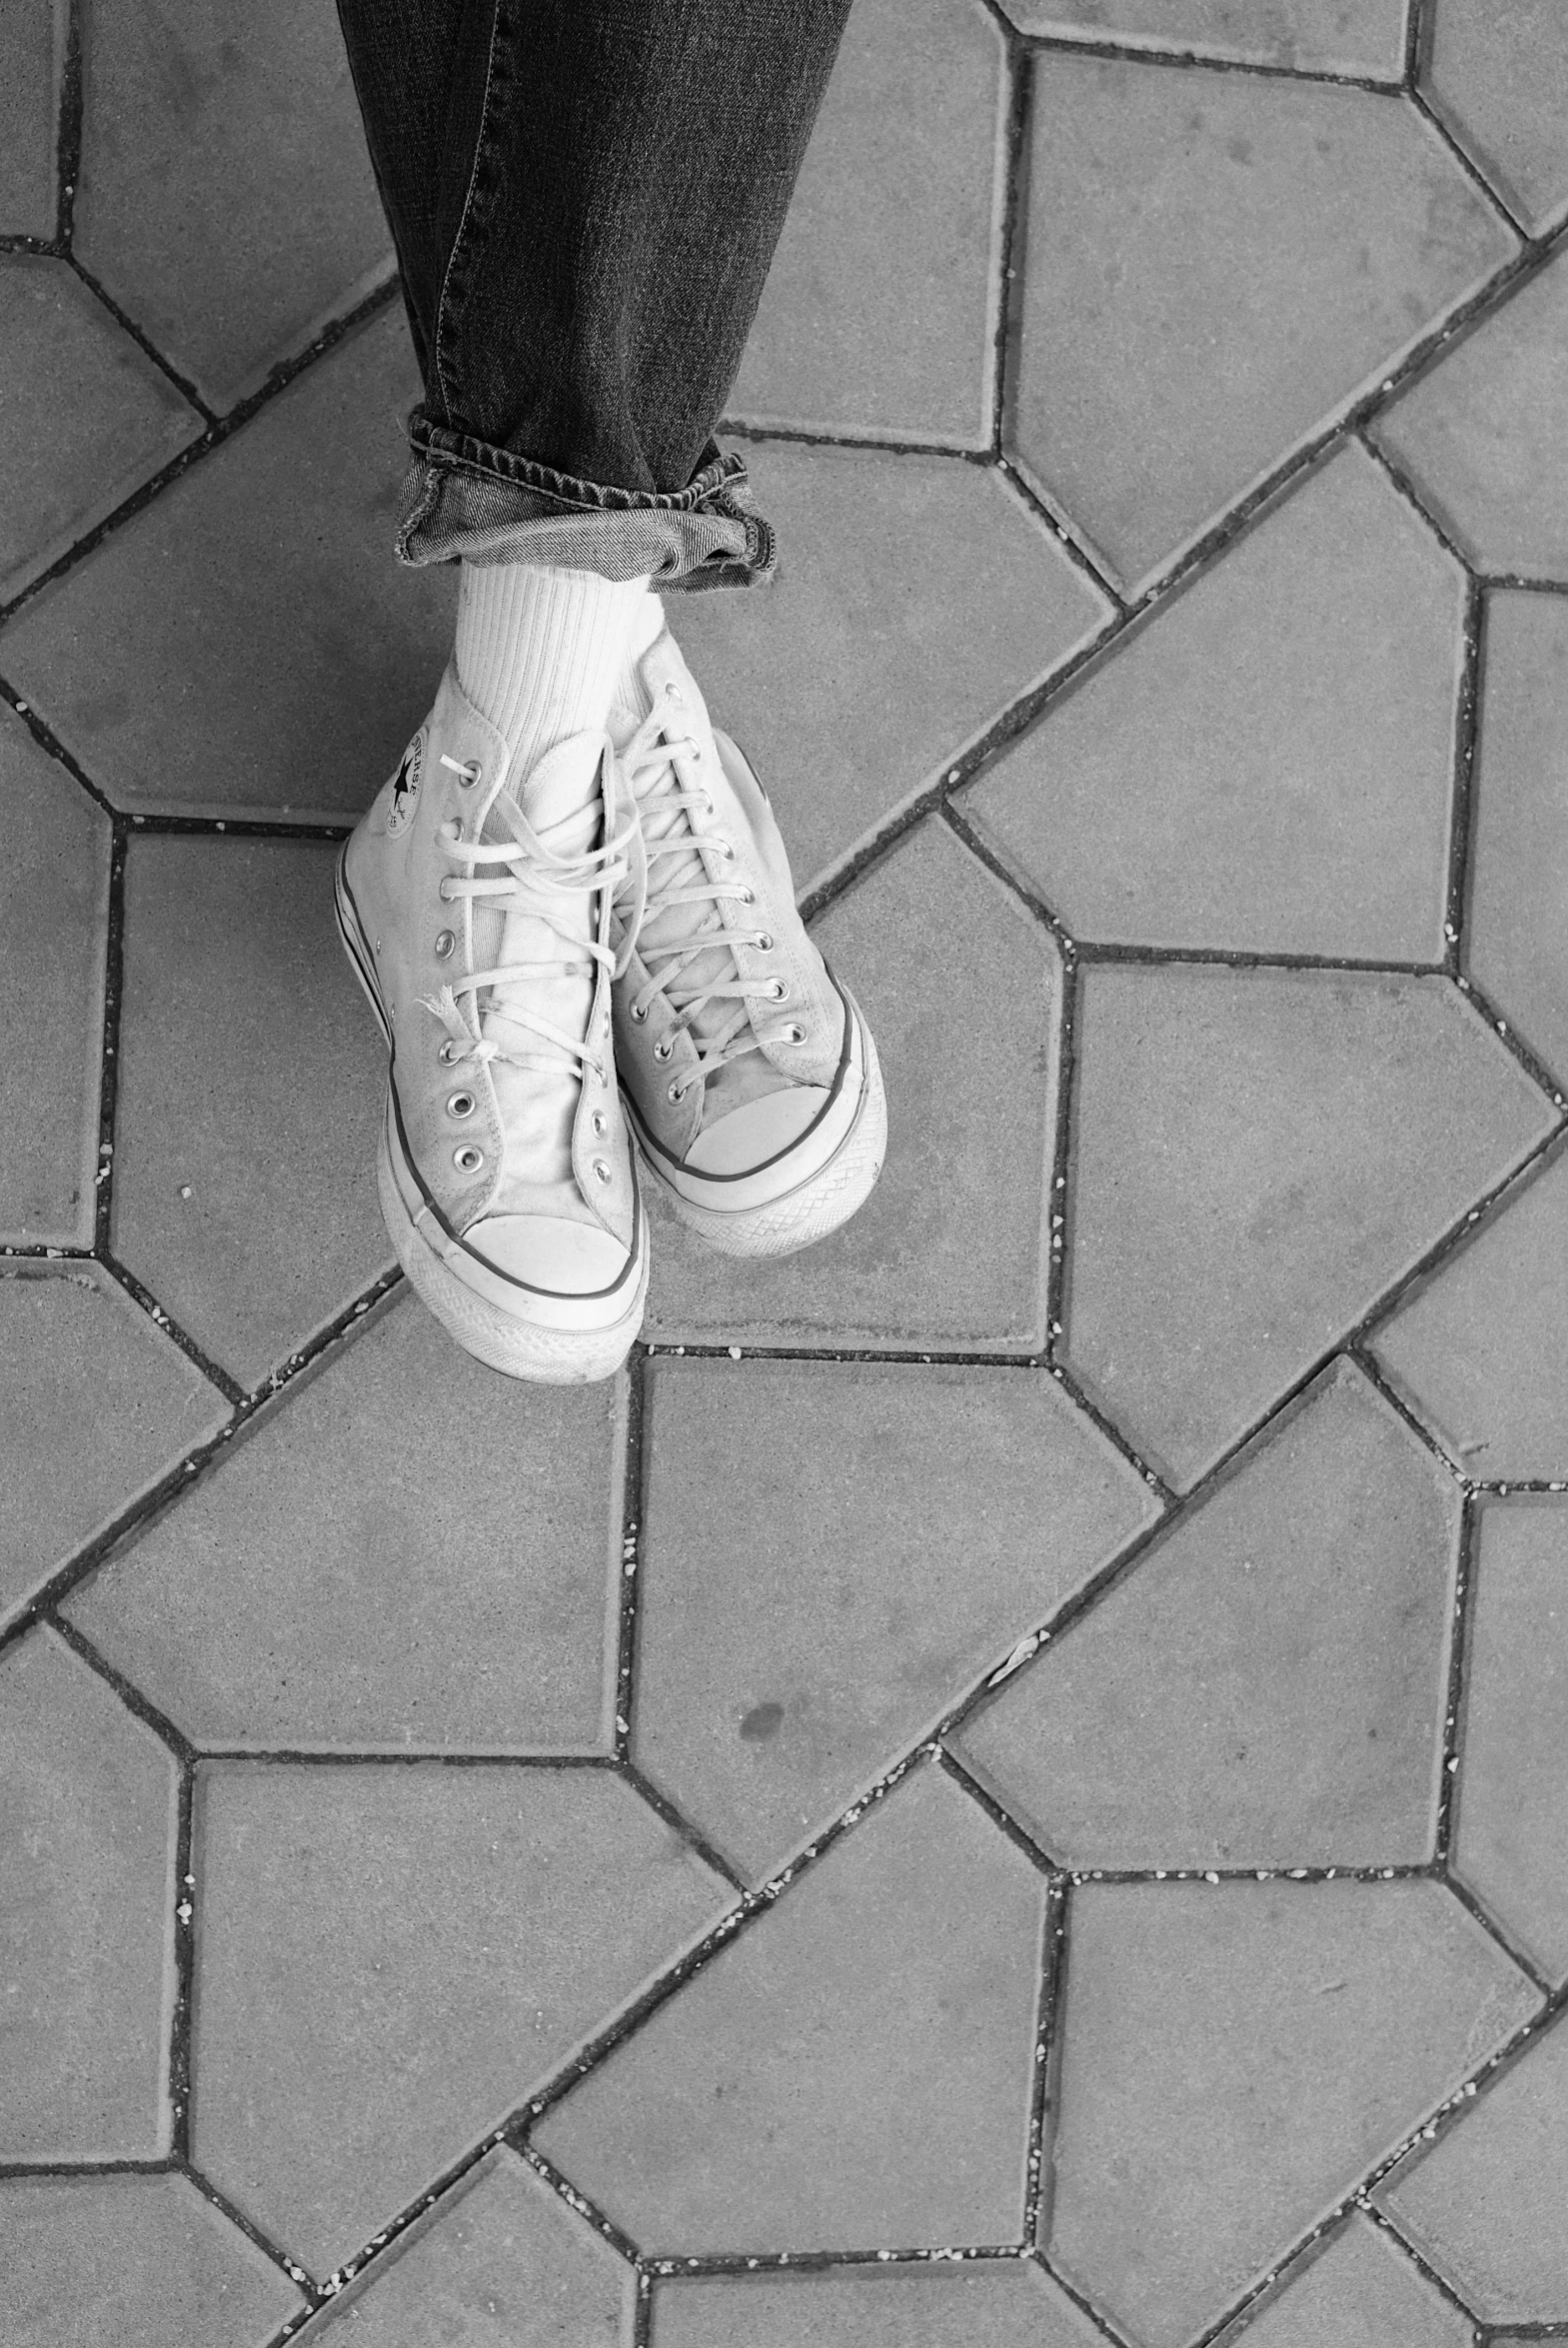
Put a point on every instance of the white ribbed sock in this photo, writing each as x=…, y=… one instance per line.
x=539, y=651
x=629, y=703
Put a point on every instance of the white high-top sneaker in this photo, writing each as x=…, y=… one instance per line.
x=474, y=904
x=749, y=1072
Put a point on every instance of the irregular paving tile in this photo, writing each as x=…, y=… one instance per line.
x=1517, y=939
x=1240, y=256
x=54, y=910
x=858, y=679
x=1258, y=1155
x=97, y=1408
x=327, y=1587
x=86, y=1849
x=880, y=309
x=88, y=417
x=1268, y=1687
x=32, y=38
x=1236, y=2057
x=132, y=2262
x=1512, y=1844
x=988, y=2303
x=1501, y=74
x=1308, y=35
x=391, y=1958
x=1359, y=2291
x=250, y=1082
x=853, y=2073
x=226, y=197
x=1485, y=2203
x=1482, y=433
x=499, y=2262
x=247, y=644
x=1270, y=765
x=794, y=1642
x=962, y=987
x=1479, y=1351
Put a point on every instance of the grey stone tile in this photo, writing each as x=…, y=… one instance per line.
x=1478, y=1350
x=86, y=1914
x=1482, y=433
x=247, y=643
x=917, y=596
x=251, y=1097
x=1236, y=2057
x=1512, y=1842
x=97, y=1407
x=1485, y=2203
x=226, y=197
x=327, y=1589
x=962, y=991
x=499, y=2262
x=879, y=311
x=1269, y=765
x=1240, y=256
x=32, y=40
x=1258, y=1155
x=1268, y=1687
x=132, y=2262
x=1517, y=940
x=54, y=907
x=1307, y=35
x=88, y=418
x=390, y=1958
x=1501, y=74
x=898, y=1531
x=854, y=2073
x=974, y=2304
x=1359, y=2291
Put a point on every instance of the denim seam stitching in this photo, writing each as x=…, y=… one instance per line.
x=468, y=202
x=593, y=497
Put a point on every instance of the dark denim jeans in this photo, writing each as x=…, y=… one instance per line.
x=585, y=196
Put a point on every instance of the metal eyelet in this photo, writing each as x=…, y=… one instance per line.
x=443, y=945
x=662, y=1051
x=708, y=803
x=467, y=1158
x=461, y=1104
x=673, y=693
x=778, y=992
x=466, y=781
x=764, y=941
x=724, y=848
x=676, y=1091
x=747, y=897
x=448, y=1053
x=794, y=1034
x=602, y=1170
x=599, y=1123
x=640, y=1014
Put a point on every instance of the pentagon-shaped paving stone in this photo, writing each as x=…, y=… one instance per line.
x=988, y=2303
x=794, y=1642
x=1481, y=433
x=54, y=918
x=1512, y=1842
x=89, y=418
x=410, y=1553
x=1258, y=1156
x=391, y=1958
x=1236, y=2057
x=1516, y=942
x=1241, y=256
x=880, y=310
x=251, y=1079
x=1485, y=2203
x=1358, y=2291
x=132, y=2262
x=853, y=2073
x=97, y=1407
x=34, y=32
x=247, y=643
x=1267, y=1686
x=917, y=598
x=86, y=1914
x=499, y=2262
x=1269, y=765
x=1479, y=1349
x=226, y=197
x=1501, y=75
x=1300, y=35
x=963, y=987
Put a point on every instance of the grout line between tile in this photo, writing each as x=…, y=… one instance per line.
x=869, y=442
x=1415, y=43
x=1019, y=89
x=52, y=747
x=1535, y=1068
x=1373, y=1371
x=67, y=131
x=1086, y=2307
x=642, y=2310
x=109, y=1061
x=167, y=2166
x=562, y=2187
x=144, y=341
x=176, y=1741
x=184, y=1929
x=230, y=1388
x=1038, y=2159
x=665, y=2265
x=1423, y=2265
x=1467, y=709
x=1245, y=958
x=1260, y=69
x=1019, y=1835
x=37, y=248
x=1069, y=537
x=1497, y=1932
x=636, y=1461
x=1422, y=99
x=1404, y=485
x=247, y=2225
x=660, y=1805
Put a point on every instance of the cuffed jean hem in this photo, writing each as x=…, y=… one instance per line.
x=463, y=498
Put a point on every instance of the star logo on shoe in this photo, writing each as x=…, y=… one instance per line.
x=404, y=788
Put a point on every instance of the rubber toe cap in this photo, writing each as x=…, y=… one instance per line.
x=547, y=1251
x=759, y=1130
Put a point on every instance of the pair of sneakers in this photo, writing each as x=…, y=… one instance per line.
x=593, y=961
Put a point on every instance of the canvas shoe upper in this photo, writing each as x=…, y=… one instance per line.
x=750, y=1073
x=475, y=903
